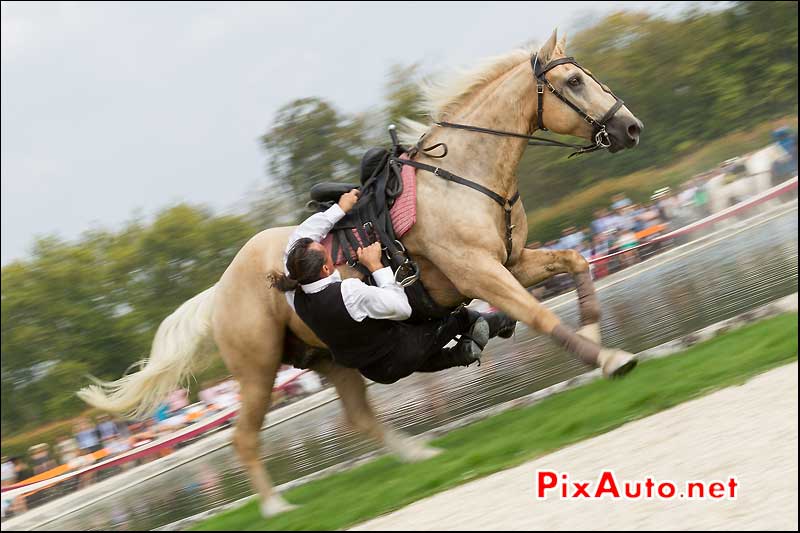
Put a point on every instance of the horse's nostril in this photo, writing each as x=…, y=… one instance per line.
x=633, y=131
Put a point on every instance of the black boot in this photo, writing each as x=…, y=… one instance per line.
x=500, y=324
x=464, y=353
x=479, y=329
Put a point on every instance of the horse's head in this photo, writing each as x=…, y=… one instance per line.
x=575, y=103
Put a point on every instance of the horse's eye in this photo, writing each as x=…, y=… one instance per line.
x=574, y=81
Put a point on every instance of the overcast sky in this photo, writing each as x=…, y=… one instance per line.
x=108, y=108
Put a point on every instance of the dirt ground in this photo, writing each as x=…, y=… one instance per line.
x=749, y=432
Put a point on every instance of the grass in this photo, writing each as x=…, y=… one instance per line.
x=578, y=207
x=518, y=435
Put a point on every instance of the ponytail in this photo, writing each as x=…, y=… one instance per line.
x=304, y=265
x=282, y=282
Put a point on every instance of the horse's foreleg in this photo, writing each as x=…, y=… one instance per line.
x=492, y=282
x=352, y=391
x=535, y=266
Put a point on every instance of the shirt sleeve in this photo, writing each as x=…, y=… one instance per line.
x=315, y=227
x=387, y=301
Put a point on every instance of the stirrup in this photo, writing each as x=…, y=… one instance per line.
x=411, y=278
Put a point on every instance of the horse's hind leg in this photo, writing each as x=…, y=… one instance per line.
x=256, y=377
x=535, y=266
x=352, y=390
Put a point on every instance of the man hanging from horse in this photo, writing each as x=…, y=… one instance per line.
x=362, y=324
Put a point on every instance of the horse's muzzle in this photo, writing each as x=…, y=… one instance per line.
x=624, y=132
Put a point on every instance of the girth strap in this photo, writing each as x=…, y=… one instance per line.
x=449, y=176
x=506, y=203
x=509, y=227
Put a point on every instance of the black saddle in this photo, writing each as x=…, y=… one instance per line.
x=381, y=184
x=372, y=164
x=330, y=191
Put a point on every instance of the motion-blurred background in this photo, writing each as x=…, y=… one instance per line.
x=143, y=144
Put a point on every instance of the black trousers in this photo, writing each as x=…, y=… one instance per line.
x=420, y=348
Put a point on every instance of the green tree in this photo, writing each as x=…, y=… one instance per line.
x=93, y=306
x=311, y=142
x=403, y=94
x=690, y=80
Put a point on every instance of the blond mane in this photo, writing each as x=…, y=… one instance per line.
x=441, y=99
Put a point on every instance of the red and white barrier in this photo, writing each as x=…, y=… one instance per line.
x=144, y=450
x=760, y=198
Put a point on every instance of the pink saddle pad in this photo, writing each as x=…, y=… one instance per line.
x=403, y=213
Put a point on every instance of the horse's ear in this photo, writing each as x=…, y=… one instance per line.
x=561, y=47
x=547, y=51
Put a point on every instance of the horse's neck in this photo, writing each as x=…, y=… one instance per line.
x=507, y=104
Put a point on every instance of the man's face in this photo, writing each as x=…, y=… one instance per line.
x=328, y=267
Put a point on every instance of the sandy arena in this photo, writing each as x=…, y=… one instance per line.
x=749, y=431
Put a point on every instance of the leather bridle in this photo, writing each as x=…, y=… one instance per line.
x=599, y=135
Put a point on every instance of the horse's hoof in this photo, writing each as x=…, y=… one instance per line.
x=418, y=454
x=590, y=332
x=408, y=449
x=616, y=363
x=275, y=506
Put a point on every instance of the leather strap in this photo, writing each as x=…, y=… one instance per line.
x=449, y=176
x=532, y=139
x=506, y=204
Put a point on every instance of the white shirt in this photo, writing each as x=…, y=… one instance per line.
x=387, y=301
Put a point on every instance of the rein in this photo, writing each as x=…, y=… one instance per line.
x=532, y=139
x=601, y=139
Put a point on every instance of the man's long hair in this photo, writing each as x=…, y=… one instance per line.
x=303, y=264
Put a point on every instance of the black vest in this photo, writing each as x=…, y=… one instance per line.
x=353, y=344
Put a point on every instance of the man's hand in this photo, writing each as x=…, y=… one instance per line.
x=370, y=256
x=348, y=200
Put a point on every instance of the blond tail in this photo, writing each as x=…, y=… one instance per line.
x=179, y=347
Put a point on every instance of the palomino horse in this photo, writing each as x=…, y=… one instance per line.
x=459, y=242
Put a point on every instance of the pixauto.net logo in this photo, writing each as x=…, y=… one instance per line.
x=551, y=484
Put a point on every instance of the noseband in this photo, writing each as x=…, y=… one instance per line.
x=601, y=139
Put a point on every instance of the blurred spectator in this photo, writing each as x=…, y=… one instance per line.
x=87, y=437
x=9, y=472
x=106, y=428
x=571, y=239
x=788, y=141
x=162, y=412
x=147, y=432
x=619, y=201
x=601, y=222
x=67, y=449
x=701, y=199
x=20, y=471
x=177, y=400
x=40, y=458
x=119, y=444
x=21, y=467
x=626, y=218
